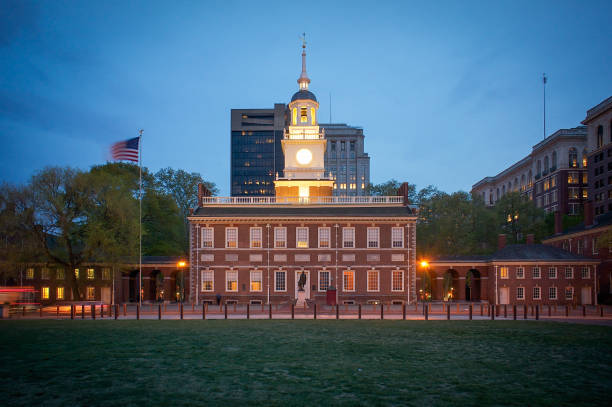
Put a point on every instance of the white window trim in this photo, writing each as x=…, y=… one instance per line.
x=517, y=275
x=397, y=271
x=377, y=238
x=507, y=272
x=354, y=282
x=556, y=273
x=203, y=240
x=401, y=234
x=260, y=281
x=517, y=296
x=539, y=273
x=588, y=276
x=572, y=273
x=532, y=292
x=227, y=229
x=556, y=293
x=251, y=230
x=328, y=280
x=227, y=273
x=594, y=243
x=377, y=282
x=346, y=240
x=275, y=285
x=297, y=237
x=202, y=280
x=276, y=241
x=328, y=237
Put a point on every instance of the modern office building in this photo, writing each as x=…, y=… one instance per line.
x=554, y=174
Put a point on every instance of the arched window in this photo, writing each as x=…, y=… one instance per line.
x=599, y=136
x=529, y=179
x=554, y=161
x=573, y=158
x=515, y=184
x=546, y=166
x=523, y=182
x=538, y=168
x=503, y=190
x=585, y=162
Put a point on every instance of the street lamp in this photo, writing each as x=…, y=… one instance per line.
x=180, y=293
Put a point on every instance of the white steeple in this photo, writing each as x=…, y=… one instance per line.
x=303, y=80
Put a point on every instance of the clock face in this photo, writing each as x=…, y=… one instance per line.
x=304, y=156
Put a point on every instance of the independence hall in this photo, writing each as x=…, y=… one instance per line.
x=303, y=244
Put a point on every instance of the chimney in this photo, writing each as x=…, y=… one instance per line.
x=501, y=241
x=529, y=239
x=202, y=192
x=588, y=213
x=558, y=223
x=403, y=191
x=190, y=211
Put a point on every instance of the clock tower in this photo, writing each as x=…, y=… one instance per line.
x=304, y=146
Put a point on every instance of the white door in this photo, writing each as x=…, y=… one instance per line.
x=306, y=286
x=586, y=296
x=106, y=295
x=504, y=298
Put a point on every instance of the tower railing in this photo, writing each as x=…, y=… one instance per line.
x=313, y=200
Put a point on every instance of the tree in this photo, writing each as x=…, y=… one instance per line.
x=163, y=225
x=517, y=216
x=388, y=188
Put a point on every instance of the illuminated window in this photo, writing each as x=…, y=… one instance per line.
x=373, y=237
x=60, y=293
x=106, y=273
x=348, y=280
x=323, y=280
x=60, y=274
x=280, y=281
x=324, y=235
x=303, y=115
x=231, y=280
x=280, y=237
x=552, y=293
x=503, y=272
x=301, y=236
x=294, y=116
x=256, y=280
x=312, y=116
x=569, y=293
x=573, y=177
x=348, y=237
x=91, y=293
x=207, y=237
x=397, y=280
x=373, y=280
x=91, y=274
x=585, y=272
x=208, y=280
x=255, y=237
x=569, y=272
x=552, y=272
x=520, y=272
x=44, y=293
x=76, y=274
x=231, y=238
x=29, y=275
x=535, y=272
x=520, y=293
x=573, y=158
x=397, y=237
x=536, y=293
x=45, y=274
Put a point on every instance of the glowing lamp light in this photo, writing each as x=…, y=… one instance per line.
x=304, y=156
x=181, y=264
x=424, y=264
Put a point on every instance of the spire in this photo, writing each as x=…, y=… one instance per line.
x=303, y=80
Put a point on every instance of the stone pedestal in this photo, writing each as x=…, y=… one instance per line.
x=301, y=299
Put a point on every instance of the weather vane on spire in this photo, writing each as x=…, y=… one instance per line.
x=303, y=40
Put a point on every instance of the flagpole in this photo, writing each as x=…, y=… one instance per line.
x=140, y=218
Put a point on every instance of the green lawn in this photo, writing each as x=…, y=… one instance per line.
x=304, y=363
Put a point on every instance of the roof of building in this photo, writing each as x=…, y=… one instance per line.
x=214, y=211
x=597, y=110
x=303, y=95
x=600, y=221
x=518, y=252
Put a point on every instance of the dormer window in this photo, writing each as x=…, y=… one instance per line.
x=303, y=115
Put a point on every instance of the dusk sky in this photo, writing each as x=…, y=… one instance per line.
x=446, y=92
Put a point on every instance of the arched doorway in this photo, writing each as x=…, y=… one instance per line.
x=472, y=285
x=134, y=284
x=156, y=289
x=178, y=284
x=450, y=285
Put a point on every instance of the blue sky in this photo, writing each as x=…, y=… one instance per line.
x=447, y=92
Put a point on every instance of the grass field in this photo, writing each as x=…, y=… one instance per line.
x=442, y=363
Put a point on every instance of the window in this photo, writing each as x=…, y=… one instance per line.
x=569, y=273
x=323, y=280
x=585, y=272
x=348, y=280
x=324, y=234
x=573, y=158
x=503, y=272
x=303, y=114
x=60, y=293
x=594, y=244
x=256, y=280
x=373, y=237
x=280, y=237
x=76, y=274
x=552, y=272
x=520, y=272
x=552, y=293
x=520, y=293
x=231, y=280
x=44, y=293
x=373, y=280
x=60, y=274
x=208, y=280
x=45, y=274
x=91, y=274
x=348, y=237
x=255, y=237
x=29, y=274
x=397, y=280
x=599, y=136
x=280, y=281
x=535, y=272
x=397, y=237
x=231, y=238
x=536, y=293
x=569, y=293
x=91, y=293
x=572, y=177
x=207, y=237
x=301, y=237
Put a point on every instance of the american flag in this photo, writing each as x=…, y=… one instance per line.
x=126, y=150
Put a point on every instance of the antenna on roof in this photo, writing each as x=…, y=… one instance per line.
x=544, y=80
